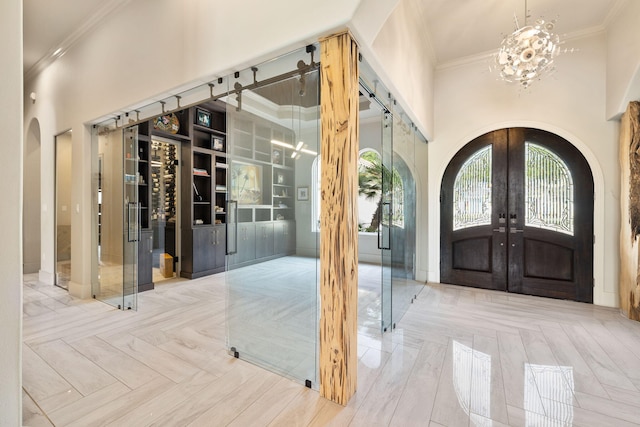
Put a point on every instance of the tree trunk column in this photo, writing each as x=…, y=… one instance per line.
x=339, y=217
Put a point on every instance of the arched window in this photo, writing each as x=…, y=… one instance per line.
x=548, y=191
x=472, y=191
x=370, y=192
x=548, y=194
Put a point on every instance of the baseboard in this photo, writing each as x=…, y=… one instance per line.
x=370, y=258
x=78, y=290
x=606, y=299
x=427, y=276
x=46, y=277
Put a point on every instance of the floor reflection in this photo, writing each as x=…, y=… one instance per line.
x=548, y=389
x=472, y=382
x=548, y=393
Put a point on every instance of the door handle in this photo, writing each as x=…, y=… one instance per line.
x=384, y=230
x=232, y=227
x=514, y=230
x=133, y=221
x=500, y=229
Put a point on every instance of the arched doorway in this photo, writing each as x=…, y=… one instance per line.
x=31, y=200
x=517, y=215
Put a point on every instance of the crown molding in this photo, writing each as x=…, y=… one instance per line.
x=109, y=7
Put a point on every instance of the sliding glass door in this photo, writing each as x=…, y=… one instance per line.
x=384, y=127
x=117, y=213
x=403, y=220
x=63, y=181
x=131, y=217
x=384, y=227
x=272, y=237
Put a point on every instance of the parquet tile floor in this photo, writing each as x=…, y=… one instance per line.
x=459, y=357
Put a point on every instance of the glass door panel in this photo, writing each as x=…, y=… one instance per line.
x=403, y=220
x=272, y=263
x=384, y=228
x=63, y=181
x=132, y=216
x=108, y=215
x=116, y=216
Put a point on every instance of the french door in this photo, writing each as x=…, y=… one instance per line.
x=517, y=215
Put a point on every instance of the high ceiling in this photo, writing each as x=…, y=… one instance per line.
x=455, y=28
x=463, y=28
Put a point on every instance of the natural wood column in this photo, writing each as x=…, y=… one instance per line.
x=339, y=217
x=630, y=211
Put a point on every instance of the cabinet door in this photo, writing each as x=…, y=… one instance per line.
x=145, y=258
x=280, y=243
x=246, y=242
x=220, y=246
x=285, y=237
x=264, y=240
x=203, y=249
x=290, y=236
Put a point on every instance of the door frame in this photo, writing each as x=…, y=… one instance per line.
x=605, y=295
x=600, y=295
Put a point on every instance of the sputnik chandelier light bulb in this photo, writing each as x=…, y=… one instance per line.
x=528, y=53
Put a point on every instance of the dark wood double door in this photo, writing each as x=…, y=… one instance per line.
x=517, y=215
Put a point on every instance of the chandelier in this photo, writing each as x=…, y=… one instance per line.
x=528, y=53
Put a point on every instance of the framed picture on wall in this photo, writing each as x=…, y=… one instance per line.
x=203, y=117
x=303, y=193
x=217, y=143
x=246, y=183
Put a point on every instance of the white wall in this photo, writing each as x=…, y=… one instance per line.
x=623, y=59
x=400, y=54
x=470, y=101
x=31, y=197
x=11, y=122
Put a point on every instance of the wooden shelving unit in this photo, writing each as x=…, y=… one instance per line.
x=204, y=191
x=263, y=230
x=266, y=227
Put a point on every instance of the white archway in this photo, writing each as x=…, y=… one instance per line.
x=601, y=295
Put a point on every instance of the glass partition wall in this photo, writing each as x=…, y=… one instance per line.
x=403, y=219
x=116, y=215
x=63, y=178
x=231, y=184
x=396, y=228
x=272, y=244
